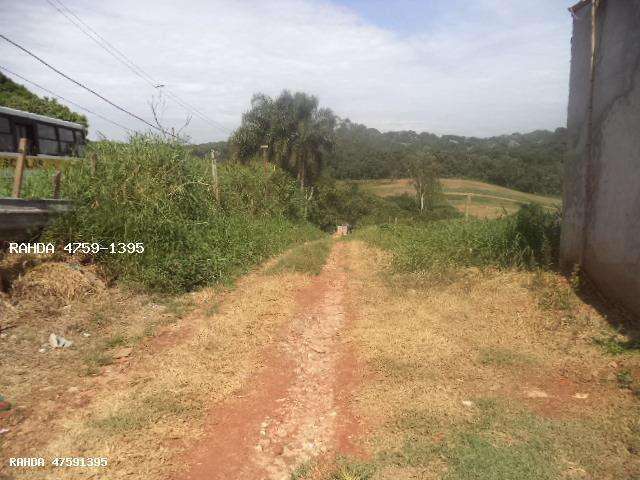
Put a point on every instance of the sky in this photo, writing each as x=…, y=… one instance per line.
x=473, y=67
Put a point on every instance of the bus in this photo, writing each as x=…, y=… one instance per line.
x=48, y=137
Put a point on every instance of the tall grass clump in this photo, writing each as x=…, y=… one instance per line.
x=152, y=191
x=528, y=238
x=335, y=203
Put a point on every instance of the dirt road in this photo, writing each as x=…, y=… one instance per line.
x=500, y=373
x=297, y=406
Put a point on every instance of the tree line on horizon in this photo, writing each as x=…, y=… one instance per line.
x=309, y=142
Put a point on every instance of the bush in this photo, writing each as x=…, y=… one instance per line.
x=527, y=239
x=336, y=203
x=156, y=192
x=538, y=232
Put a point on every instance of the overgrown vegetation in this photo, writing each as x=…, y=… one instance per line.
x=338, y=203
x=157, y=193
x=526, y=239
x=530, y=162
x=291, y=131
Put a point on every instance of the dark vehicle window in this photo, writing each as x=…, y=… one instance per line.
x=79, y=137
x=4, y=125
x=48, y=147
x=47, y=131
x=6, y=142
x=67, y=148
x=66, y=135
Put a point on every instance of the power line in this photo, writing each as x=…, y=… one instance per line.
x=65, y=99
x=85, y=87
x=126, y=61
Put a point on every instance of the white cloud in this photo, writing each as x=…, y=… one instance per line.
x=496, y=67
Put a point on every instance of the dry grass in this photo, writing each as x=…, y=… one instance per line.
x=142, y=410
x=487, y=200
x=461, y=368
x=309, y=258
x=57, y=282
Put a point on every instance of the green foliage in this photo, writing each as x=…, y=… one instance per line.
x=539, y=232
x=530, y=162
x=306, y=258
x=338, y=203
x=248, y=190
x=424, y=169
x=615, y=346
x=625, y=379
x=499, y=443
x=438, y=246
x=36, y=183
x=203, y=150
x=298, y=134
x=156, y=192
x=16, y=96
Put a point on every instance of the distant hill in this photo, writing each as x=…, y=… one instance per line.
x=14, y=95
x=204, y=150
x=530, y=162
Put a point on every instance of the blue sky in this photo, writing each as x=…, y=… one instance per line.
x=475, y=67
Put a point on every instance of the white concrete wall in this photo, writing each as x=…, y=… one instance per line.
x=601, y=226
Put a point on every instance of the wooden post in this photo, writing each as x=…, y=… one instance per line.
x=56, y=183
x=214, y=175
x=466, y=207
x=94, y=162
x=264, y=149
x=20, y=163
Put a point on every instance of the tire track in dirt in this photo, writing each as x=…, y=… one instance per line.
x=296, y=408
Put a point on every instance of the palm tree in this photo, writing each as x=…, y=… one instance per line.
x=298, y=133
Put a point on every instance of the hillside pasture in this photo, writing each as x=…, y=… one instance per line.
x=486, y=200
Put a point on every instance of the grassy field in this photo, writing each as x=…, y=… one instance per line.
x=486, y=200
x=486, y=375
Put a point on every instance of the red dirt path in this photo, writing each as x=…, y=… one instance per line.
x=295, y=408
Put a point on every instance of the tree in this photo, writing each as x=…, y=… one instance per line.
x=297, y=132
x=425, y=171
x=17, y=96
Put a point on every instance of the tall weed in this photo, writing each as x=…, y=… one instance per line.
x=529, y=238
x=156, y=192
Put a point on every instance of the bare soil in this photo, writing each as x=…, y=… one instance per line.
x=297, y=406
x=410, y=374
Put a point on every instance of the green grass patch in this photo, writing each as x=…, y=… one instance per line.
x=500, y=443
x=614, y=346
x=157, y=193
x=306, y=258
x=526, y=239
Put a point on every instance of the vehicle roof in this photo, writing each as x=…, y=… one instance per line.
x=40, y=118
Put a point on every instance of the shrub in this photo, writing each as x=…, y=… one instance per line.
x=538, y=232
x=529, y=238
x=157, y=193
x=336, y=203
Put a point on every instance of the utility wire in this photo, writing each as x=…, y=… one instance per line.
x=65, y=99
x=28, y=52
x=126, y=61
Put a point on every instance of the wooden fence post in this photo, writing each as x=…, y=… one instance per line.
x=56, y=183
x=466, y=207
x=94, y=162
x=214, y=174
x=264, y=149
x=20, y=163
